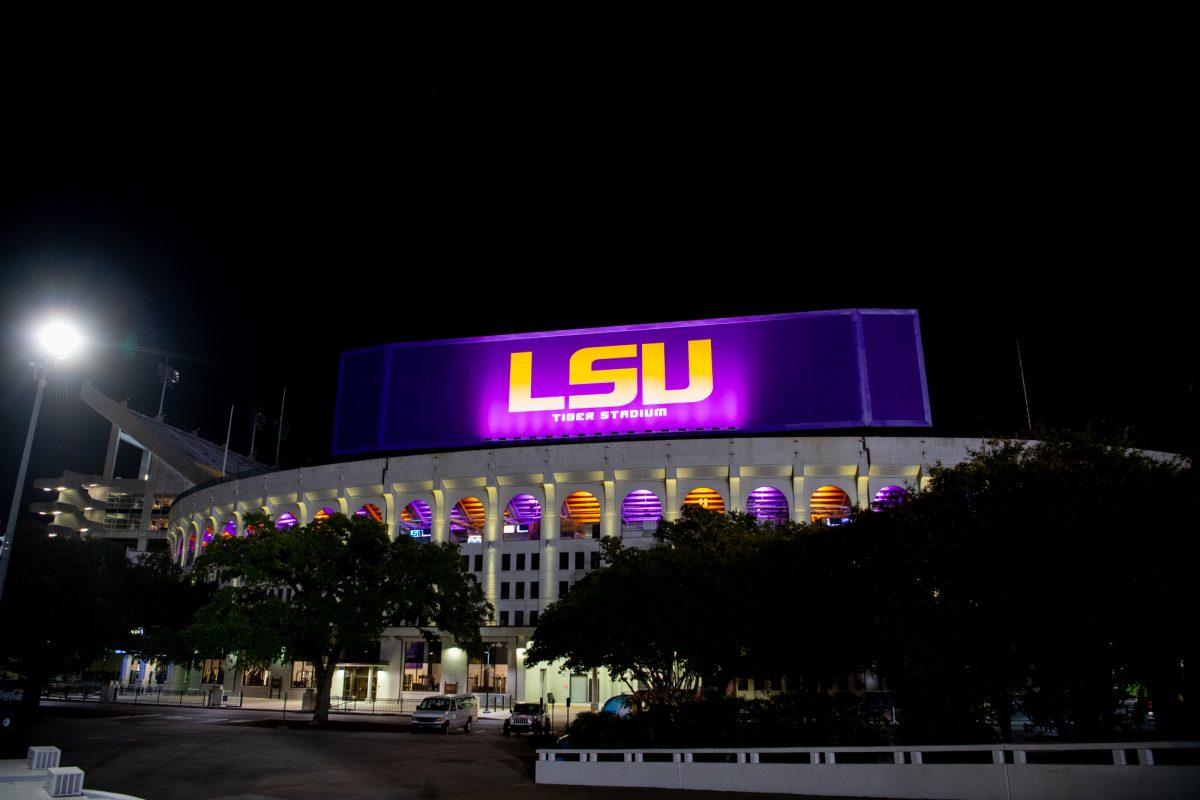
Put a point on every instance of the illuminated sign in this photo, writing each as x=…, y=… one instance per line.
x=826, y=369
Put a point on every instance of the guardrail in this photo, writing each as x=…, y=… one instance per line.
x=1100, y=771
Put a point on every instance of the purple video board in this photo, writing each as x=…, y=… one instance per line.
x=784, y=372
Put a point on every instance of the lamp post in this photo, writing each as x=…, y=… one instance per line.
x=58, y=339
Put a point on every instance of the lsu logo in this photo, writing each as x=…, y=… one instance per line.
x=624, y=380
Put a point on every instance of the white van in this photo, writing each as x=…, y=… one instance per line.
x=445, y=712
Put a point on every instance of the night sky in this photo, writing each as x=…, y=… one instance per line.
x=256, y=230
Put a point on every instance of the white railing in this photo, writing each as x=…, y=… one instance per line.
x=965, y=772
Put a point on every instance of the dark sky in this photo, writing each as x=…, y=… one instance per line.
x=257, y=226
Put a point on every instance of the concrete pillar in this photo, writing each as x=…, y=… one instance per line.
x=110, y=458
x=671, y=506
x=610, y=519
x=550, y=547
x=491, y=553
x=862, y=484
x=735, y=489
x=441, y=515
x=799, y=499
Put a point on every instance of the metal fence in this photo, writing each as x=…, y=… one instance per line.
x=160, y=695
x=406, y=705
x=75, y=690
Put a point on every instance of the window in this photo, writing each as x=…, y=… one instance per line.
x=505, y=562
x=256, y=676
x=564, y=560
x=504, y=591
x=504, y=618
x=520, y=561
x=518, y=618
x=422, y=666
x=595, y=561
x=535, y=561
x=563, y=587
x=490, y=673
x=533, y=618
x=478, y=564
x=579, y=559
x=521, y=590
x=466, y=563
x=533, y=590
x=302, y=675
x=213, y=670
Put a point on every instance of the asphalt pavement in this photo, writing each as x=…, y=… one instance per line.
x=173, y=753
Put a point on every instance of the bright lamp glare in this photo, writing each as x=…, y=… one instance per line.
x=59, y=339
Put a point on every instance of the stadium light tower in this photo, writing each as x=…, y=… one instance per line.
x=58, y=339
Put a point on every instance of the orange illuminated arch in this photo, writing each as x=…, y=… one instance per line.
x=467, y=513
x=370, y=510
x=705, y=498
x=830, y=505
x=580, y=511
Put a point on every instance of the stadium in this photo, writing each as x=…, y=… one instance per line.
x=546, y=443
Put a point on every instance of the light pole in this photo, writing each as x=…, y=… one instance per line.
x=58, y=339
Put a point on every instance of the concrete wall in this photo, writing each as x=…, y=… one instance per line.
x=995, y=781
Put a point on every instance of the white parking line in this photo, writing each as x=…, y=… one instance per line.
x=135, y=716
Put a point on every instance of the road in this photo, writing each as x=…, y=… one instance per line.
x=172, y=753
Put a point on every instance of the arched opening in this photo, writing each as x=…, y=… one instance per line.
x=208, y=536
x=416, y=519
x=705, y=498
x=829, y=505
x=323, y=514
x=523, y=518
x=579, y=517
x=466, y=521
x=889, y=497
x=767, y=504
x=640, y=512
x=370, y=510
x=286, y=520
x=229, y=529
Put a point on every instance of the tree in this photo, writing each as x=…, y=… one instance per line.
x=1048, y=574
x=715, y=598
x=63, y=605
x=345, y=583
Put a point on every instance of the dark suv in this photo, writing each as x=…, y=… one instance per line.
x=527, y=718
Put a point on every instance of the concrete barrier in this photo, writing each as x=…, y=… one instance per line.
x=1116, y=771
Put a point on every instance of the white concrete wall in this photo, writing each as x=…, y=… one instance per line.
x=995, y=781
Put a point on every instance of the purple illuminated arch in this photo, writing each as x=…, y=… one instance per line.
x=767, y=504
x=229, y=529
x=523, y=517
x=285, y=521
x=641, y=506
x=416, y=514
x=523, y=509
x=889, y=497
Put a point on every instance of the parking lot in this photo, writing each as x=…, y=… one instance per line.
x=210, y=754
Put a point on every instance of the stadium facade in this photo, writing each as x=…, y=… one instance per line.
x=546, y=444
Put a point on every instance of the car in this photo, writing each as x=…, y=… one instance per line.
x=445, y=712
x=622, y=705
x=527, y=718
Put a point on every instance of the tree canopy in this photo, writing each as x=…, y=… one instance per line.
x=1044, y=577
x=68, y=601
x=320, y=591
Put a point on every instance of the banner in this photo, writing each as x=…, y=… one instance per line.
x=788, y=372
